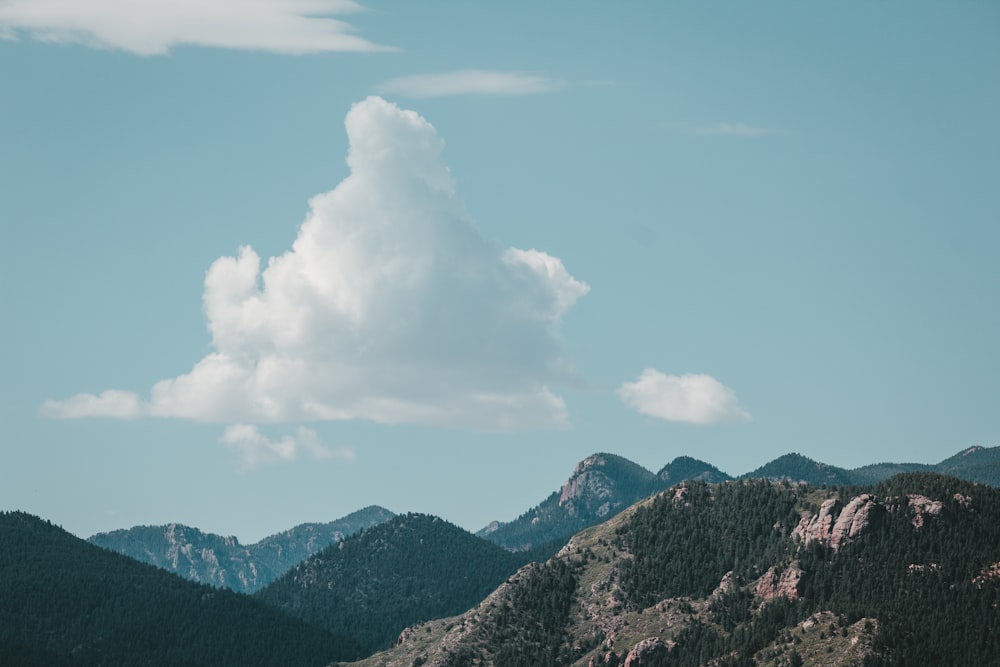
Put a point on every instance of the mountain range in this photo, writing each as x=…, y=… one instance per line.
x=599, y=487
x=797, y=562
x=604, y=484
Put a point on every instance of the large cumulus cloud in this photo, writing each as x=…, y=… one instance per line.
x=390, y=306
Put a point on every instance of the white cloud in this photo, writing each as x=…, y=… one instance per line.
x=256, y=449
x=727, y=130
x=694, y=398
x=469, y=82
x=152, y=27
x=390, y=307
x=110, y=403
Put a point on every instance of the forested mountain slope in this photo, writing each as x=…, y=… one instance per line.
x=66, y=602
x=751, y=572
x=411, y=568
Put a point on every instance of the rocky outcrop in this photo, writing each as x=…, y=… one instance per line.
x=835, y=528
x=817, y=528
x=963, y=500
x=854, y=519
x=726, y=586
x=922, y=507
x=989, y=573
x=778, y=582
x=649, y=651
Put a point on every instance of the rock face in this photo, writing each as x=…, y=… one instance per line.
x=780, y=583
x=836, y=528
x=922, y=507
x=600, y=486
x=818, y=528
x=647, y=652
x=854, y=519
x=222, y=561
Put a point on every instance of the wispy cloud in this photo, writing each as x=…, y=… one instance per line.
x=693, y=398
x=257, y=450
x=724, y=130
x=389, y=307
x=469, y=82
x=111, y=403
x=153, y=27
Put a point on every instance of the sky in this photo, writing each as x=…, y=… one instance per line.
x=268, y=263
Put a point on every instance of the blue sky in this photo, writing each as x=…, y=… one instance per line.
x=504, y=236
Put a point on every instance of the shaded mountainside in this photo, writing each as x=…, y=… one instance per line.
x=749, y=572
x=411, y=568
x=223, y=561
x=67, y=602
x=601, y=486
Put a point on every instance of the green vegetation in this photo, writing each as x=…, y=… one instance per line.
x=528, y=628
x=925, y=584
x=410, y=569
x=67, y=602
x=683, y=545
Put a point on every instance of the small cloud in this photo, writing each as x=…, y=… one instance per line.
x=110, y=403
x=693, y=398
x=725, y=130
x=153, y=27
x=257, y=450
x=469, y=82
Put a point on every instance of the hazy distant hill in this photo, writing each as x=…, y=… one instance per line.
x=223, y=561
x=684, y=468
x=799, y=468
x=411, y=568
x=976, y=464
x=750, y=572
x=66, y=602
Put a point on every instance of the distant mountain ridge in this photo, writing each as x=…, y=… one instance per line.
x=604, y=484
x=974, y=464
x=222, y=561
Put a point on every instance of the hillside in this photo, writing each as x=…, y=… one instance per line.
x=411, y=568
x=67, y=602
x=750, y=572
x=222, y=561
x=799, y=468
x=684, y=468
